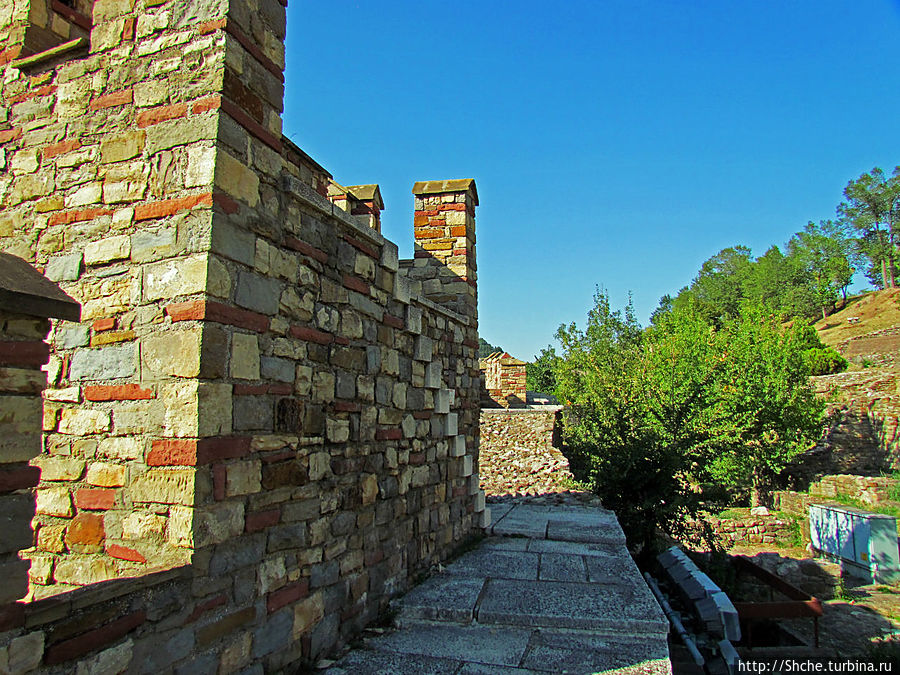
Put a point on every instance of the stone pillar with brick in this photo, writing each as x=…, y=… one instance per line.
x=27, y=301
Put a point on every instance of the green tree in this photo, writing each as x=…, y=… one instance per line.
x=826, y=255
x=766, y=413
x=485, y=348
x=539, y=376
x=872, y=206
x=719, y=287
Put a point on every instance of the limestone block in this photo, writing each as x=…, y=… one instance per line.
x=369, y=488
x=479, y=502
x=458, y=446
x=41, y=571
x=235, y=178
x=31, y=186
x=151, y=93
x=84, y=570
x=164, y=486
x=105, y=363
x=85, y=195
x=25, y=653
x=213, y=524
x=68, y=335
x=452, y=426
x=18, y=415
x=22, y=380
x=258, y=293
x=64, y=267
x=319, y=465
x=215, y=407
x=323, y=387
x=337, y=431
x=443, y=399
x=59, y=468
x=105, y=474
x=25, y=161
x=308, y=613
x=424, y=350
x=56, y=501
x=113, y=660
x=272, y=574
x=467, y=465
x=121, y=448
x=201, y=164
x=243, y=478
x=244, y=356
x=143, y=525
x=172, y=352
x=107, y=249
x=122, y=147
x=84, y=421
x=433, y=375
x=484, y=519
x=15, y=576
x=147, y=245
x=182, y=276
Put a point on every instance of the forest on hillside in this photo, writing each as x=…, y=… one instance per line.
x=710, y=402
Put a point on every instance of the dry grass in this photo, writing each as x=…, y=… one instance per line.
x=876, y=311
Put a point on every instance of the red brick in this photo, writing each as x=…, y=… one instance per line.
x=72, y=15
x=46, y=90
x=124, y=553
x=260, y=520
x=18, y=477
x=234, y=111
x=162, y=113
x=341, y=340
x=24, y=353
x=416, y=458
x=86, y=529
x=359, y=246
x=192, y=310
x=422, y=415
x=94, y=639
x=388, y=434
x=248, y=44
x=170, y=207
x=69, y=217
x=420, y=219
x=470, y=343
x=60, y=148
x=422, y=254
x=222, y=447
x=459, y=491
x=120, y=97
x=95, y=499
x=392, y=321
x=205, y=606
x=286, y=595
x=226, y=203
x=173, y=452
x=103, y=324
x=250, y=389
x=460, y=251
x=199, y=310
x=458, y=231
x=306, y=249
x=10, y=54
x=451, y=207
x=281, y=389
x=311, y=335
x=356, y=284
x=128, y=30
x=117, y=392
x=7, y=135
x=210, y=26
x=373, y=557
x=346, y=406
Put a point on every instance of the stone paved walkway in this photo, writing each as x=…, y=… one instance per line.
x=552, y=590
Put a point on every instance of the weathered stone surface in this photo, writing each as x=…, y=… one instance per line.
x=107, y=250
x=170, y=278
x=164, y=486
x=244, y=356
x=83, y=422
x=81, y=571
x=64, y=267
x=60, y=468
x=104, y=363
x=174, y=352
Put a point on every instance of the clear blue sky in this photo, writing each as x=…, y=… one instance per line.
x=614, y=143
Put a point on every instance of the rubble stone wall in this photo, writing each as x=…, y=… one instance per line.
x=504, y=382
x=258, y=393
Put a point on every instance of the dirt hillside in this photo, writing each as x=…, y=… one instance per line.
x=874, y=312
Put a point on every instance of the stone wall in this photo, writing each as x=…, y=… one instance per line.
x=752, y=529
x=504, y=381
x=259, y=392
x=866, y=489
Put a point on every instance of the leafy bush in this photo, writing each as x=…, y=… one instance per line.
x=824, y=361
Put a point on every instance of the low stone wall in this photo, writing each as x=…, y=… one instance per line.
x=816, y=576
x=520, y=452
x=867, y=489
x=752, y=529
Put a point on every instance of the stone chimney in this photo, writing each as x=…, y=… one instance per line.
x=444, y=227
x=359, y=200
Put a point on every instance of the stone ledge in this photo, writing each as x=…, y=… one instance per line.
x=47, y=55
x=24, y=290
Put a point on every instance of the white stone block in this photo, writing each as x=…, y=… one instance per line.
x=479, y=501
x=442, y=400
x=458, y=446
x=484, y=519
x=452, y=427
x=467, y=465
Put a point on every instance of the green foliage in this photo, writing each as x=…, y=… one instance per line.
x=485, y=348
x=823, y=361
x=539, y=375
x=653, y=412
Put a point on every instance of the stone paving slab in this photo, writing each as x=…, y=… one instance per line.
x=505, y=543
x=605, y=550
x=443, y=597
x=488, y=645
x=562, y=567
x=483, y=669
x=375, y=662
x=611, y=568
x=484, y=563
x=558, y=604
x=598, y=533
x=578, y=653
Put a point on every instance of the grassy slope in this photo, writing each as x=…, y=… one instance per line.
x=876, y=311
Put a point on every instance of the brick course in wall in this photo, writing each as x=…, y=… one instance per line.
x=260, y=395
x=504, y=381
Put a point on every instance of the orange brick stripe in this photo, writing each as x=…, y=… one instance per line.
x=24, y=353
x=124, y=553
x=169, y=207
x=195, y=452
x=7, y=135
x=46, y=90
x=10, y=54
x=312, y=335
x=162, y=113
x=260, y=520
x=60, y=148
x=392, y=321
x=90, y=499
x=94, y=639
x=226, y=203
x=209, y=310
x=104, y=324
x=112, y=100
x=205, y=104
x=359, y=246
x=346, y=406
x=117, y=392
x=356, y=284
x=205, y=606
x=286, y=595
x=306, y=249
x=69, y=217
x=255, y=51
x=428, y=233
x=388, y=434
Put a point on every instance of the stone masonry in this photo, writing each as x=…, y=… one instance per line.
x=260, y=396
x=504, y=381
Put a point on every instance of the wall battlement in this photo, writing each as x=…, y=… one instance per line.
x=259, y=395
